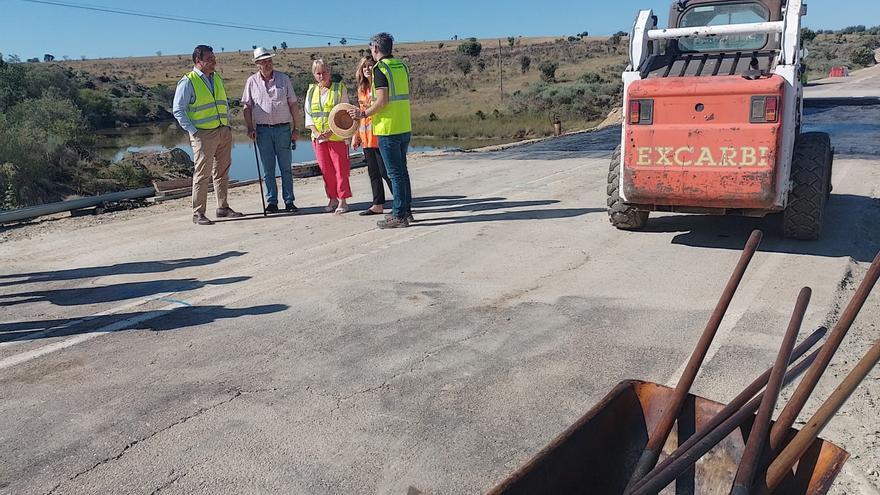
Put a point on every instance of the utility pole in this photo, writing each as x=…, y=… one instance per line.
x=501, y=67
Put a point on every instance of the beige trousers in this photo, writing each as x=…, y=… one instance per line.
x=212, y=154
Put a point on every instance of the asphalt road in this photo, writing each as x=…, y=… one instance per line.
x=317, y=354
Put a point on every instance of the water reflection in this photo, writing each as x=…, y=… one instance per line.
x=114, y=143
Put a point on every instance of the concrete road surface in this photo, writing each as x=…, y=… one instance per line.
x=863, y=83
x=316, y=354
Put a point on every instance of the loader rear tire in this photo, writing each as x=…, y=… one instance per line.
x=811, y=182
x=621, y=216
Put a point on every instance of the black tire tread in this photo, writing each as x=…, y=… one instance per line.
x=810, y=175
x=620, y=215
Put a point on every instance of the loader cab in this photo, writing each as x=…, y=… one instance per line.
x=723, y=55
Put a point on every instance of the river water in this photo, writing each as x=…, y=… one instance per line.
x=114, y=143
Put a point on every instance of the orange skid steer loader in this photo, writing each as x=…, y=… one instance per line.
x=712, y=118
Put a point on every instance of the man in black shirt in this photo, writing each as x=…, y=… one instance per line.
x=392, y=124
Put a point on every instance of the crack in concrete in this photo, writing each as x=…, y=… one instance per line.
x=504, y=299
x=236, y=393
x=168, y=483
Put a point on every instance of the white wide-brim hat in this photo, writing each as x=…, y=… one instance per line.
x=341, y=122
x=262, y=53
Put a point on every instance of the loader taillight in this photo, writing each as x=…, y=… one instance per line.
x=771, y=109
x=764, y=109
x=641, y=112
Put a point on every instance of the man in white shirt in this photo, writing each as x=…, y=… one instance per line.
x=271, y=113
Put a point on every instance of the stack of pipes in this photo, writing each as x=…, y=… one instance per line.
x=770, y=452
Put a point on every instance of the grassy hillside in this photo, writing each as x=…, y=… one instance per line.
x=853, y=49
x=440, y=86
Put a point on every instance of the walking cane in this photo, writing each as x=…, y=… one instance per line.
x=260, y=177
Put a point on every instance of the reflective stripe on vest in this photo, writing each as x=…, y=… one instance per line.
x=394, y=117
x=321, y=114
x=365, y=128
x=210, y=110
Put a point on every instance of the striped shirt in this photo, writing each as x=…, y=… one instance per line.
x=269, y=100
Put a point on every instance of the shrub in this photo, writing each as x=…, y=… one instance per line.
x=590, y=101
x=97, y=107
x=39, y=140
x=480, y=115
x=524, y=63
x=462, y=63
x=127, y=175
x=132, y=110
x=471, y=47
x=591, y=77
x=12, y=77
x=807, y=35
x=548, y=70
x=481, y=64
x=439, y=46
x=300, y=82
x=852, y=30
x=433, y=117
x=862, y=56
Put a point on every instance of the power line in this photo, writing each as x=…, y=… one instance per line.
x=204, y=22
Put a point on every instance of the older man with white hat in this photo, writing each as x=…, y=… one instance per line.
x=271, y=113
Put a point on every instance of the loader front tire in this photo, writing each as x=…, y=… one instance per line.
x=811, y=184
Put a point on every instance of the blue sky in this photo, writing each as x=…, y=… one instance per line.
x=30, y=30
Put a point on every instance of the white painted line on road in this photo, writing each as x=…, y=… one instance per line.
x=742, y=302
x=57, y=346
x=53, y=330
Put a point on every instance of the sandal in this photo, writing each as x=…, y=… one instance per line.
x=331, y=207
x=340, y=210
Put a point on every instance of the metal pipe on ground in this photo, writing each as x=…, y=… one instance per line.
x=780, y=431
x=73, y=204
x=756, y=444
x=690, y=452
x=780, y=466
x=658, y=436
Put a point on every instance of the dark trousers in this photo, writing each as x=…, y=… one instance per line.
x=393, y=149
x=376, y=169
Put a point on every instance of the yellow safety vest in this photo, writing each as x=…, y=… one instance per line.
x=210, y=110
x=321, y=114
x=394, y=117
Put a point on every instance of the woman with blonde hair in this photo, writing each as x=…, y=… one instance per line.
x=366, y=138
x=331, y=150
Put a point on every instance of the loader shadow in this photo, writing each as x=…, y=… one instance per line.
x=158, y=266
x=450, y=204
x=109, y=293
x=508, y=216
x=162, y=320
x=850, y=229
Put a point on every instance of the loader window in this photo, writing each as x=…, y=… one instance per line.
x=719, y=15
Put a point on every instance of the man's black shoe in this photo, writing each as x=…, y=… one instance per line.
x=200, y=219
x=272, y=208
x=291, y=208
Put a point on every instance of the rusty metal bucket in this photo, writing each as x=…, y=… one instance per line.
x=598, y=453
